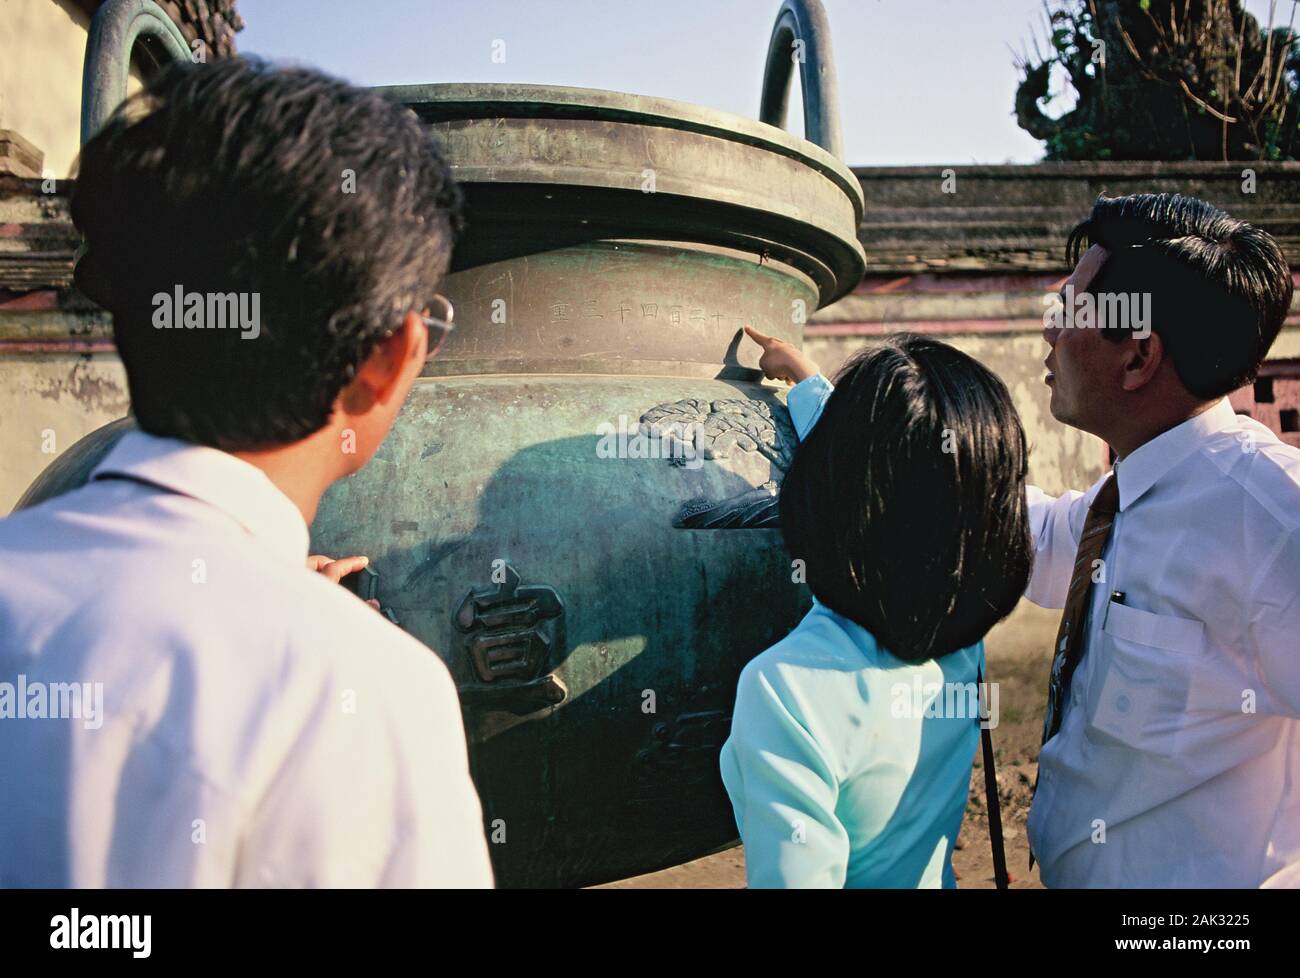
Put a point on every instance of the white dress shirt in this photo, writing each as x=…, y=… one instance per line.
x=1178, y=760
x=259, y=725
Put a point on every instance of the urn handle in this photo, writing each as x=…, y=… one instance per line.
x=802, y=34
x=118, y=26
x=365, y=584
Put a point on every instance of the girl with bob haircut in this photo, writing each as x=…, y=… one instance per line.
x=852, y=740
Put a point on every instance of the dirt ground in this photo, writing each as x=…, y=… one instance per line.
x=1017, y=652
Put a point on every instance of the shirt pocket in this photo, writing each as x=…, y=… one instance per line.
x=1139, y=693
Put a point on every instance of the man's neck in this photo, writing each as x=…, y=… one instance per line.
x=301, y=471
x=1130, y=435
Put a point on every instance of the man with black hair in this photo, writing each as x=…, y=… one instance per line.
x=1171, y=752
x=269, y=243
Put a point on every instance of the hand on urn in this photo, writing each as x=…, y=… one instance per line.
x=338, y=569
x=782, y=360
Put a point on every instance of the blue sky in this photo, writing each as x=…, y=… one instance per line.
x=922, y=81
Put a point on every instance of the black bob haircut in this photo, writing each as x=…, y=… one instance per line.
x=331, y=204
x=906, y=502
x=1220, y=288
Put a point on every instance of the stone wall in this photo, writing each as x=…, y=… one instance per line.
x=59, y=376
x=970, y=266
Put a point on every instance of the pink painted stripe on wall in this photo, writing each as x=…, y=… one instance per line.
x=40, y=301
x=928, y=283
x=10, y=347
x=942, y=326
x=925, y=326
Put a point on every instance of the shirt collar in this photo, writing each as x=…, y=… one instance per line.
x=1143, y=467
x=240, y=490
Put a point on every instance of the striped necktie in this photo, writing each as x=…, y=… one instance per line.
x=1069, y=639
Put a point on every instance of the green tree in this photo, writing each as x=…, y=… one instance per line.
x=1164, y=80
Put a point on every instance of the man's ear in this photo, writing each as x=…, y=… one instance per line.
x=389, y=368
x=1144, y=357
